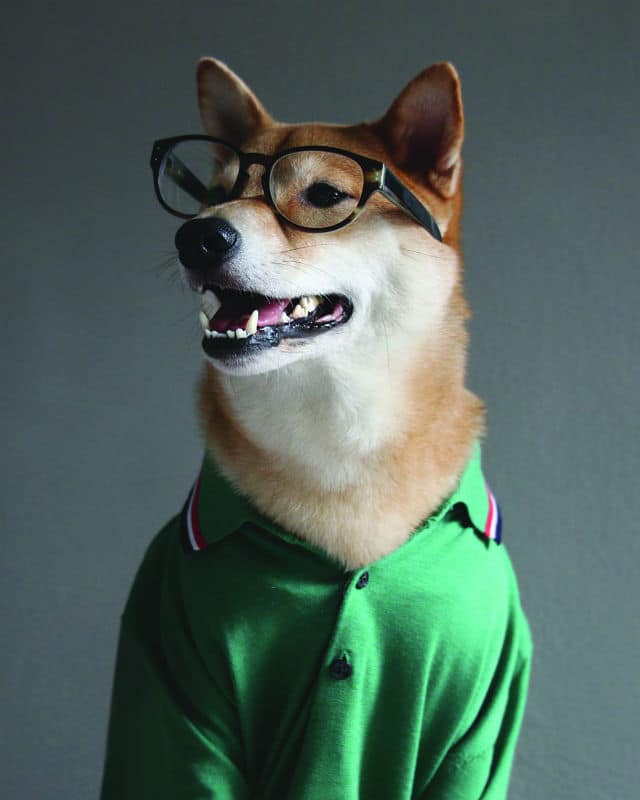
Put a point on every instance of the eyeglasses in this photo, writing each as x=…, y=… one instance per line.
x=314, y=188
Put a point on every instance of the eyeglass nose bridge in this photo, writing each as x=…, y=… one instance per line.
x=248, y=160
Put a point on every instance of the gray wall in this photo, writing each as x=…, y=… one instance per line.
x=100, y=346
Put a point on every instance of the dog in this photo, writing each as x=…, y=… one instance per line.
x=332, y=615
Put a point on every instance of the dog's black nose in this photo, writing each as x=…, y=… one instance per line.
x=205, y=242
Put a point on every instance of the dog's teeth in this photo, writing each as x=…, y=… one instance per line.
x=309, y=302
x=241, y=333
x=231, y=334
x=284, y=318
x=210, y=303
x=299, y=312
x=252, y=323
x=203, y=321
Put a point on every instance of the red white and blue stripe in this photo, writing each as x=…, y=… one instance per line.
x=493, y=525
x=194, y=531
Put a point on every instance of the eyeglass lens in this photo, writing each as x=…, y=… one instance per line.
x=195, y=174
x=315, y=188
x=311, y=188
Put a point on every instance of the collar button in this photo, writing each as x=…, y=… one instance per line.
x=340, y=669
x=363, y=580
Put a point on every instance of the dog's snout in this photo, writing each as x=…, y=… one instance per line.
x=203, y=243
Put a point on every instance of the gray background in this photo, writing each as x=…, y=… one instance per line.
x=100, y=346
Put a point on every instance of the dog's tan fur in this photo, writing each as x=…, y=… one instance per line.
x=351, y=447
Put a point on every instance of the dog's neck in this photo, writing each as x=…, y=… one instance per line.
x=348, y=458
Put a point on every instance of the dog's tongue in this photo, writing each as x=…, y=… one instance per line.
x=237, y=308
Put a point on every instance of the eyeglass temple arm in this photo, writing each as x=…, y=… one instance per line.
x=398, y=193
x=182, y=176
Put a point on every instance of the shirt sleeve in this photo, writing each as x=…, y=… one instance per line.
x=159, y=744
x=474, y=771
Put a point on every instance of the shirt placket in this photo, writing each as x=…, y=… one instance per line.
x=333, y=735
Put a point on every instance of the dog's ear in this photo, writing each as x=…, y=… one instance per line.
x=228, y=108
x=424, y=128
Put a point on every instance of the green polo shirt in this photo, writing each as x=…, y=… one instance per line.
x=250, y=665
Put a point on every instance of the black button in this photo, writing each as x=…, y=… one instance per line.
x=363, y=580
x=340, y=668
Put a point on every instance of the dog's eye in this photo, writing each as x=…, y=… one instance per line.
x=324, y=195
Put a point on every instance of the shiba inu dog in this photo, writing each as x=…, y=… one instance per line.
x=344, y=634
x=349, y=384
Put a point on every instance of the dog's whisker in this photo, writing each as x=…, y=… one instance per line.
x=234, y=387
x=289, y=262
x=431, y=256
x=307, y=246
x=165, y=264
x=386, y=341
x=174, y=280
x=303, y=266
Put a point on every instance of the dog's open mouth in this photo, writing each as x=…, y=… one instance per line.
x=232, y=320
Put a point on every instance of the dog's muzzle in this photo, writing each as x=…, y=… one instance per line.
x=237, y=321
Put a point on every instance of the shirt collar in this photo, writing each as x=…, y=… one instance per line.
x=473, y=492
x=214, y=508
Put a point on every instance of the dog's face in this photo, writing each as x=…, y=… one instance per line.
x=274, y=294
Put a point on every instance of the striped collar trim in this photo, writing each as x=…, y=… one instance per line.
x=192, y=520
x=493, y=524
x=215, y=509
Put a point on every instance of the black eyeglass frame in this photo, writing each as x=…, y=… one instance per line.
x=377, y=178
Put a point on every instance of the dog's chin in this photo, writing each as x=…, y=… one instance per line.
x=247, y=360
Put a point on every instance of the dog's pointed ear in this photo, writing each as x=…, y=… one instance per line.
x=424, y=128
x=228, y=108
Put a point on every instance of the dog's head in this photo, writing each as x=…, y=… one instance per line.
x=302, y=245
